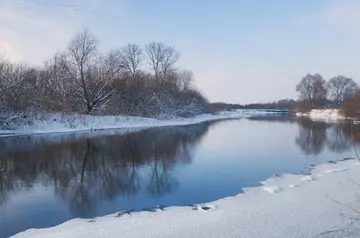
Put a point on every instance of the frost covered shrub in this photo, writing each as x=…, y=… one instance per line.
x=10, y=120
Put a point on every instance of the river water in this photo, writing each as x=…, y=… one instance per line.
x=49, y=179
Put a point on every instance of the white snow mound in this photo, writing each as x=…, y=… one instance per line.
x=323, y=114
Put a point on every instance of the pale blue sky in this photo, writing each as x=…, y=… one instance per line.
x=240, y=50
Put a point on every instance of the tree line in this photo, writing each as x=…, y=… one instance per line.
x=131, y=80
x=279, y=104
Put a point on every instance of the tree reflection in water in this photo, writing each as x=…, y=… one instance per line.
x=88, y=170
x=312, y=136
x=315, y=136
x=337, y=139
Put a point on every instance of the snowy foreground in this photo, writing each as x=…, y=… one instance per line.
x=57, y=123
x=322, y=204
x=323, y=114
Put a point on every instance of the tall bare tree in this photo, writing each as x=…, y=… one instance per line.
x=91, y=72
x=341, y=88
x=162, y=59
x=312, y=88
x=132, y=56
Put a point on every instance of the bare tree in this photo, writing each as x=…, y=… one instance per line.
x=341, y=88
x=10, y=74
x=162, y=58
x=17, y=83
x=91, y=72
x=185, y=80
x=54, y=89
x=312, y=88
x=132, y=56
x=82, y=50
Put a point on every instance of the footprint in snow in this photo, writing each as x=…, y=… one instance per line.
x=330, y=171
x=272, y=189
x=293, y=186
x=305, y=173
x=201, y=208
x=155, y=209
x=308, y=178
x=128, y=212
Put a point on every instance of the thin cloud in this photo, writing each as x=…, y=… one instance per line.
x=39, y=28
x=343, y=15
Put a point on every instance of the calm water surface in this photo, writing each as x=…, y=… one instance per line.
x=46, y=180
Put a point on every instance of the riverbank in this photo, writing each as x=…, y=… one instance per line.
x=324, y=203
x=58, y=123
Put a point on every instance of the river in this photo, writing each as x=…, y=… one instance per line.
x=48, y=179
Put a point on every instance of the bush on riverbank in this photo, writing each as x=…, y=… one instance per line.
x=352, y=107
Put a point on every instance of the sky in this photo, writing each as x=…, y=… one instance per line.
x=240, y=51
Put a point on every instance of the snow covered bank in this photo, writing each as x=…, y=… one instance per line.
x=57, y=123
x=322, y=204
x=323, y=114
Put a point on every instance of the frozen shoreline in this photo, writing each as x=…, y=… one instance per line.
x=56, y=123
x=317, y=205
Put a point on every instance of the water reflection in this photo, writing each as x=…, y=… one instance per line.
x=84, y=171
x=339, y=138
x=314, y=136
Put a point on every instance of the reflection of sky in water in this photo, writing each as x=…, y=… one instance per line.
x=230, y=155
